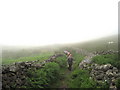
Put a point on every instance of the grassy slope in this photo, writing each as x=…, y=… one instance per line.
x=9, y=56
x=99, y=44
x=66, y=76
x=109, y=58
x=41, y=57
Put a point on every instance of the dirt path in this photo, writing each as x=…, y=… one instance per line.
x=63, y=83
x=66, y=73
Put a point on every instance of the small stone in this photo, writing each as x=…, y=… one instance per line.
x=115, y=69
x=13, y=68
x=7, y=86
x=100, y=77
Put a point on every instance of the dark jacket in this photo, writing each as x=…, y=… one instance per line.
x=70, y=60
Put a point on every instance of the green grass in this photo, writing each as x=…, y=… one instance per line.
x=53, y=74
x=41, y=57
x=77, y=59
x=43, y=78
x=99, y=44
x=62, y=61
x=118, y=83
x=49, y=76
x=64, y=72
x=80, y=79
x=109, y=58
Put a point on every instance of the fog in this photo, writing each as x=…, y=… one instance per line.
x=44, y=22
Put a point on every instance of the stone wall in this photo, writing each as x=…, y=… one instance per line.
x=15, y=74
x=105, y=73
x=101, y=73
x=105, y=52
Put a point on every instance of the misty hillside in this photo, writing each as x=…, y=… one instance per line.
x=47, y=67
x=100, y=44
x=93, y=45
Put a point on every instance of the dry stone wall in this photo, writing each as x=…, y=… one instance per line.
x=105, y=52
x=16, y=73
x=101, y=73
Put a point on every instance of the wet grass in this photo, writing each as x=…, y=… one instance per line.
x=41, y=57
x=109, y=58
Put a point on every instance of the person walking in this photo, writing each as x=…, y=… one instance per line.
x=69, y=59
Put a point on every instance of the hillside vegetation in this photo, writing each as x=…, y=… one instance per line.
x=55, y=74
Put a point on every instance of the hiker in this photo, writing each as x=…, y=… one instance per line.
x=69, y=59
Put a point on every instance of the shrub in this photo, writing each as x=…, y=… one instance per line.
x=109, y=58
x=62, y=61
x=39, y=79
x=102, y=84
x=80, y=79
x=52, y=70
x=118, y=83
x=77, y=59
x=43, y=78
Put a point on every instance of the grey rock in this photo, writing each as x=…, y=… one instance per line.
x=109, y=73
x=100, y=77
x=115, y=69
x=13, y=68
x=7, y=86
